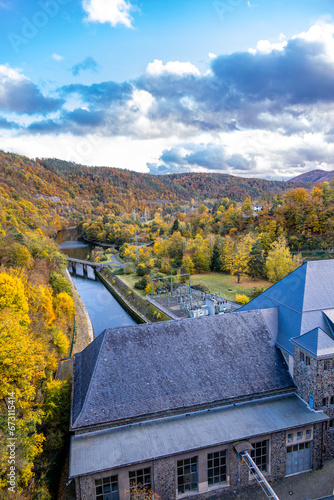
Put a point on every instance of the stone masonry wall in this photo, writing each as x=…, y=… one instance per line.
x=317, y=447
x=318, y=382
x=278, y=455
x=86, y=488
x=164, y=478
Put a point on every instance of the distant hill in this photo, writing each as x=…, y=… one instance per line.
x=52, y=193
x=314, y=176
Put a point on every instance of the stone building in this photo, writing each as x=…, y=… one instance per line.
x=165, y=406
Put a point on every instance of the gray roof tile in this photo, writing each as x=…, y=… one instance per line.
x=146, y=369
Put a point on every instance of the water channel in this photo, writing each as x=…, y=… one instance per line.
x=103, y=308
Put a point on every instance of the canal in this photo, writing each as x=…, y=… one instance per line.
x=103, y=308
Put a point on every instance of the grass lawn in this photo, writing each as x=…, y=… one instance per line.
x=217, y=282
x=130, y=280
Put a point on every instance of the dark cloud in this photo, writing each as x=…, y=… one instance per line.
x=46, y=127
x=298, y=74
x=84, y=118
x=209, y=157
x=88, y=64
x=22, y=96
x=7, y=125
x=100, y=94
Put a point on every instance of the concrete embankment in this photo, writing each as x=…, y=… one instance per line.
x=138, y=316
x=131, y=301
x=84, y=333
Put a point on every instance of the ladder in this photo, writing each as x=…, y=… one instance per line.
x=268, y=491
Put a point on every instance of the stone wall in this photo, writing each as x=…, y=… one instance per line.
x=318, y=382
x=278, y=455
x=317, y=447
x=164, y=478
x=313, y=378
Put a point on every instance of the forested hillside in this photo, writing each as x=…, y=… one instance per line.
x=53, y=193
x=314, y=176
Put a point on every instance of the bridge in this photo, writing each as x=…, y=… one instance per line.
x=94, y=266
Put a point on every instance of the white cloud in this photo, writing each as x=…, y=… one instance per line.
x=10, y=74
x=265, y=46
x=323, y=33
x=115, y=12
x=212, y=55
x=141, y=101
x=178, y=68
x=57, y=57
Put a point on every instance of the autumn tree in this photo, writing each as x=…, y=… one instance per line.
x=256, y=260
x=175, y=247
x=240, y=255
x=280, y=262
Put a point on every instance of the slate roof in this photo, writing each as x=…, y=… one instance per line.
x=316, y=342
x=301, y=298
x=140, y=370
x=121, y=446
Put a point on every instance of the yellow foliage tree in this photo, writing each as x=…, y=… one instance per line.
x=63, y=304
x=280, y=262
x=60, y=341
x=13, y=298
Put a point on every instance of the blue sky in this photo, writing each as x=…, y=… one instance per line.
x=232, y=86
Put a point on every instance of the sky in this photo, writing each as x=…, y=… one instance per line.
x=231, y=86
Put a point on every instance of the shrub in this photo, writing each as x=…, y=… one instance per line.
x=142, y=270
x=119, y=272
x=241, y=299
x=60, y=341
x=142, y=283
x=128, y=270
x=60, y=284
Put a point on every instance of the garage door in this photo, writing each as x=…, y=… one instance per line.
x=298, y=458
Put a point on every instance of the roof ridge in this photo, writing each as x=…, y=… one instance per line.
x=304, y=286
x=92, y=377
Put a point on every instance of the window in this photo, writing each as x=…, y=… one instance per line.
x=139, y=480
x=324, y=402
x=299, y=435
x=260, y=454
x=217, y=468
x=331, y=424
x=290, y=438
x=298, y=447
x=107, y=488
x=302, y=357
x=187, y=479
x=308, y=360
x=332, y=401
x=326, y=365
x=308, y=434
